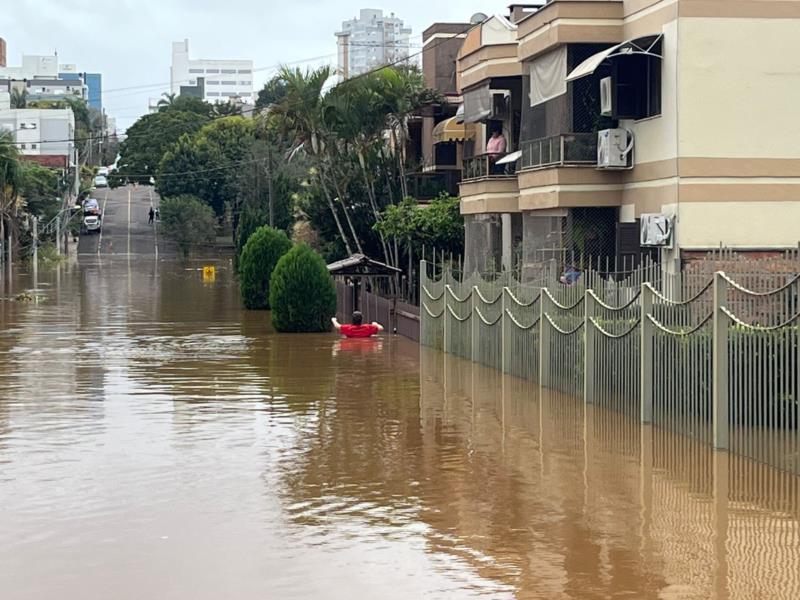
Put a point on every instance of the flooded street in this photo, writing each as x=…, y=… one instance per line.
x=157, y=441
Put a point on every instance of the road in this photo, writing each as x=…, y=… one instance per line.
x=125, y=228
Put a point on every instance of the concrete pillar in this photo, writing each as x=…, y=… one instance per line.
x=507, y=243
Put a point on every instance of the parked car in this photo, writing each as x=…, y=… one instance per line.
x=102, y=171
x=100, y=181
x=92, y=223
x=91, y=207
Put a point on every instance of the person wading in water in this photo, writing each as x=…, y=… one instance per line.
x=357, y=330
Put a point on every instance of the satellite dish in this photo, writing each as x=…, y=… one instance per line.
x=477, y=18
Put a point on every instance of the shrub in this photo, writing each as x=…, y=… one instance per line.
x=302, y=294
x=188, y=221
x=259, y=257
x=250, y=220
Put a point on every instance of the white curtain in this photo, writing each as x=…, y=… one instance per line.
x=549, y=76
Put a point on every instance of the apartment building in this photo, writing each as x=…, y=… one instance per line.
x=631, y=125
x=43, y=78
x=42, y=135
x=2, y=52
x=369, y=41
x=223, y=79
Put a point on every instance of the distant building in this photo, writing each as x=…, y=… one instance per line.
x=33, y=66
x=42, y=135
x=2, y=52
x=93, y=82
x=224, y=79
x=369, y=41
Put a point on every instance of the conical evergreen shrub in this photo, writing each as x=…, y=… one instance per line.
x=259, y=257
x=302, y=294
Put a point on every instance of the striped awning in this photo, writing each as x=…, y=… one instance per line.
x=450, y=130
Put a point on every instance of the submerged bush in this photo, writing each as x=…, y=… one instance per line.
x=302, y=294
x=259, y=257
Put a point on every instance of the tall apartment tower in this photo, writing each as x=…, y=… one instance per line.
x=218, y=79
x=2, y=52
x=369, y=41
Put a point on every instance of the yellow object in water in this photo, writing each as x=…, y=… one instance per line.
x=209, y=274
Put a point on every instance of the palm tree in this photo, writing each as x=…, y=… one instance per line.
x=166, y=101
x=10, y=177
x=19, y=98
x=300, y=114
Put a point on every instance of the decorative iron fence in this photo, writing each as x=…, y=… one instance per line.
x=722, y=366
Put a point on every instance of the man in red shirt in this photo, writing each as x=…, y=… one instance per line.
x=357, y=330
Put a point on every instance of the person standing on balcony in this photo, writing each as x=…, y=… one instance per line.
x=496, y=149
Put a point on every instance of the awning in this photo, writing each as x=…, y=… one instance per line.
x=477, y=104
x=509, y=158
x=359, y=265
x=643, y=45
x=450, y=130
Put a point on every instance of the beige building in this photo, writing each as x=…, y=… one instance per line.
x=692, y=103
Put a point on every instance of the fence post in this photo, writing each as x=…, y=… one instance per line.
x=473, y=323
x=719, y=385
x=544, y=341
x=646, y=354
x=446, y=315
x=588, y=348
x=503, y=330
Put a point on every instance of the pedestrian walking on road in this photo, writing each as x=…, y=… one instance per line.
x=150, y=215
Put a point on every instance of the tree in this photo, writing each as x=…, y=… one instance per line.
x=438, y=225
x=166, y=101
x=19, y=98
x=260, y=255
x=147, y=141
x=10, y=179
x=272, y=93
x=40, y=188
x=188, y=221
x=302, y=294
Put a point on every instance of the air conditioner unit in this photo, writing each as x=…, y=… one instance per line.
x=606, y=99
x=656, y=230
x=614, y=149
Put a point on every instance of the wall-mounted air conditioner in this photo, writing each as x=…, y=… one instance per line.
x=656, y=230
x=615, y=149
x=606, y=97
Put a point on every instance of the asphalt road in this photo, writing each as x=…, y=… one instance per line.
x=125, y=229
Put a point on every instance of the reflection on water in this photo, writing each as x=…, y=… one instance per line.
x=158, y=442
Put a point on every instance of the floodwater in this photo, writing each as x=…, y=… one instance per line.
x=156, y=441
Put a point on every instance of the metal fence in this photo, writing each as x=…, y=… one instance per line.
x=721, y=366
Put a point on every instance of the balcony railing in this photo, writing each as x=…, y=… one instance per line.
x=482, y=165
x=558, y=150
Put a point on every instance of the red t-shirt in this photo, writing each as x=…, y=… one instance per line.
x=358, y=331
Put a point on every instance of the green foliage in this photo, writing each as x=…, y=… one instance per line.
x=188, y=221
x=272, y=93
x=183, y=103
x=40, y=188
x=259, y=257
x=206, y=164
x=148, y=140
x=10, y=169
x=250, y=220
x=302, y=294
x=19, y=98
x=437, y=225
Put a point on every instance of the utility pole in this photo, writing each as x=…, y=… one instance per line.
x=35, y=239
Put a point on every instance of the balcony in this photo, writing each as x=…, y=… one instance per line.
x=481, y=167
x=567, y=149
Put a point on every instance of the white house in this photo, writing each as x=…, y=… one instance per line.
x=223, y=79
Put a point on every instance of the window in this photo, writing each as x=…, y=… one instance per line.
x=212, y=70
x=212, y=82
x=24, y=146
x=245, y=83
x=195, y=70
x=244, y=71
x=212, y=94
x=228, y=83
x=229, y=70
x=637, y=86
x=193, y=82
x=33, y=146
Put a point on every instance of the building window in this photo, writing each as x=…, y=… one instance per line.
x=33, y=146
x=212, y=94
x=193, y=82
x=637, y=86
x=229, y=70
x=212, y=82
x=244, y=71
x=195, y=70
x=23, y=146
x=228, y=83
x=245, y=83
x=212, y=70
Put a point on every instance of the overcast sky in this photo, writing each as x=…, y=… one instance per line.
x=128, y=41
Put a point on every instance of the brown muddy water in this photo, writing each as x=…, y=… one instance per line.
x=156, y=441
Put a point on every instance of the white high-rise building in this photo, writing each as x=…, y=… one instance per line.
x=213, y=80
x=371, y=40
